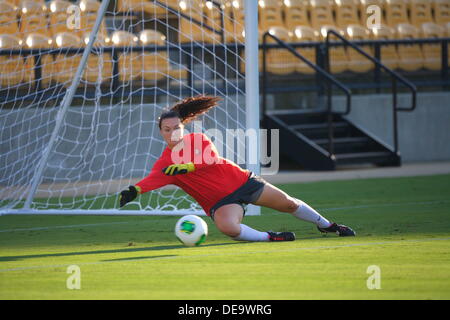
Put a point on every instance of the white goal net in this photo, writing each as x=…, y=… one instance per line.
x=69, y=142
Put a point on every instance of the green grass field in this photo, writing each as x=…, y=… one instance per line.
x=402, y=225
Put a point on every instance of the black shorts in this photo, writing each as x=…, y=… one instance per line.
x=249, y=192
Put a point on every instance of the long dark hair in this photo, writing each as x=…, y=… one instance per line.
x=190, y=108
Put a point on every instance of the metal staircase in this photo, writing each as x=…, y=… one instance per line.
x=304, y=137
x=323, y=139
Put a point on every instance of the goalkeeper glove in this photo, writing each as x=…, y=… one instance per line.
x=128, y=195
x=174, y=169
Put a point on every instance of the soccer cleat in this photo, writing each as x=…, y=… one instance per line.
x=339, y=229
x=281, y=236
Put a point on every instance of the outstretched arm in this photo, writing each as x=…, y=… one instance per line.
x=155, y=180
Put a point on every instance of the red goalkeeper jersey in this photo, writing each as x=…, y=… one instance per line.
x=213, y=179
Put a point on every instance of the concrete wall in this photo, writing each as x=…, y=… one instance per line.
x=424, y=134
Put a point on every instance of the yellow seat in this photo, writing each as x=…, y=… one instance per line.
x=15, y=3
x=130, y=63
x=432, y=51
x=396, y=13
x=356, y=61
x=12, y=67
x=296, y=14
x=140, y=6
x=33, y=18
x=89, y=10
x=346, y=13
x=66, y=64
x=305, y=34
x=280, y=61
x=48, y=71
x=99, y=66
x=213, y=18
x=389, y=54
x=8, y=19
x=337, y=55
x=270, y=14
x=321, y=14
x=369, y=18
x=411, y=55
x=348, y=20
x=235, y=25
x=156, y=63
x=422, y=18
x=58, y=16
x=189, y=31
x=441, y=10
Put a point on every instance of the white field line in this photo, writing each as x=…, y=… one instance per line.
x=227, y=254
x=153, y=219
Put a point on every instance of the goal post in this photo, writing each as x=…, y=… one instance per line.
x=79, y=106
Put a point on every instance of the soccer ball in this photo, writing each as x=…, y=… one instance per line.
x=191, y=230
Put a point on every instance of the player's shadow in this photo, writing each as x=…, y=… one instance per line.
x=124, y=250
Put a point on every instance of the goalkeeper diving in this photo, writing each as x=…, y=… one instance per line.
x=220, y=186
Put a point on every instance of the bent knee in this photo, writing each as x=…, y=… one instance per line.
x=231, y=231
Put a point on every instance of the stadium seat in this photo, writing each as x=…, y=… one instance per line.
x=66, y=64
x=296, y=14
x=39, y=41
x=356, y=61
x=389, y=54
x=11, y=66
x=130, y=63
x=305, y=34
x=363, y=8
x=99, y=66
x=236, y=27
x=422, y=18
x=8, y=19
x=189, y=31
x=33, y=18
x=348, y=20
x=214, y=19
x=411, y=55
x=441, y=10
x=58, y=16
x=346, y=13
x=337, y=55
x=270, y=14
x=396, y=13
x=89, y=10
x=321, y=14
x=432, y=51
x=140, y=6
x=280, y=61
x=155, y=63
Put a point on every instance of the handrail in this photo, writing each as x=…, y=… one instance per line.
x=395, y=77
x=319, y=70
